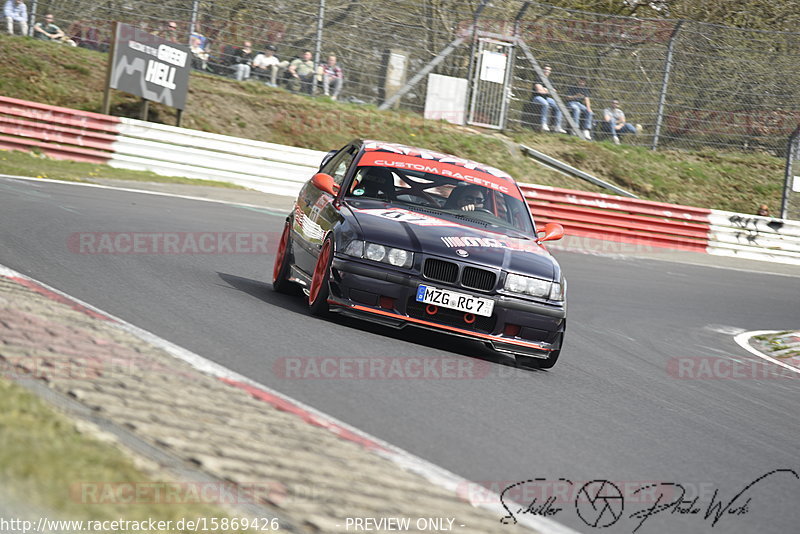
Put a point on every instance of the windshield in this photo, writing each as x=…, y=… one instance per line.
x=469, y=203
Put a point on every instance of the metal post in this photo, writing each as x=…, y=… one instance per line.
x=179, y=118
x=32, y=18
x=145, y=110
x=792, y=155
x=110, y=68
x=662, y=98
x=472, y=58
x=318, y=44
x=512, y=63
x=193, y=23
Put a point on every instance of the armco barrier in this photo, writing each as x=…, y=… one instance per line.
x=60, y=133
x=128, y=143
x=65, y=133
x=622, y=219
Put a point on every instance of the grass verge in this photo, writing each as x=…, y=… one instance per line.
x=40, y=166
x=44, y=458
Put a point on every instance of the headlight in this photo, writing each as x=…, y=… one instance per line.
x=398, y=257
x=535, y=287
x=355, y=248
x=375, y=252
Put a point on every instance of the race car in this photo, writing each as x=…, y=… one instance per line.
x=404, y=236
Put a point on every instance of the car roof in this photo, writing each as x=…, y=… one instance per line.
x=426, y=154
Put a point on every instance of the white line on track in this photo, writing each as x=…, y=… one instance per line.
x=432, y=473
x=146, y=192
x=743, y=340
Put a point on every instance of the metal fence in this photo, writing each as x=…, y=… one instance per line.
x=689, y=85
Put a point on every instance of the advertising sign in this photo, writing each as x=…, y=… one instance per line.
x=150, y=67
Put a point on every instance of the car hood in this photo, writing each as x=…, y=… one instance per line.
x=447, y=238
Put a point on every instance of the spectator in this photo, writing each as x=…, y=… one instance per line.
x=763, y=210
x=301, y=74
x=169, y=32
x=614, y=121
x=578, y=100
x=16, y=11
x=332, y=75
x=267, y=64
x=199, y=56
x=243, y=61
x=541, y=96
x=50, y=32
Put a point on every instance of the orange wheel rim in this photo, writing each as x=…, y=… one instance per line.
x=281, y=253
x=320, y=272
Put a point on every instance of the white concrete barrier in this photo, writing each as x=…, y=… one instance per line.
x=172, y=151
x=754, y=237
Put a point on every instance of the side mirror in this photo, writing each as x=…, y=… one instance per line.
x=552, y=232
x=324, y=182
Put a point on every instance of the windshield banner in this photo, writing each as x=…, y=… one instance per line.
x=473, y=176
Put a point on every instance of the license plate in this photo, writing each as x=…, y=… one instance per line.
x=455, y=300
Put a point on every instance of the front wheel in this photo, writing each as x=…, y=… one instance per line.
x=319, y=290
x=280, y=271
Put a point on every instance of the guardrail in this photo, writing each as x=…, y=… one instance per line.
x=133, y=144
x=65, y=133
x=615, y=218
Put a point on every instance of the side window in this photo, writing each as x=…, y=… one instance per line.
x=338, y=165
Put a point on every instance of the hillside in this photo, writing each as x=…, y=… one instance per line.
x=73, y=77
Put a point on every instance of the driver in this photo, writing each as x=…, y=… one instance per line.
x=466, y=198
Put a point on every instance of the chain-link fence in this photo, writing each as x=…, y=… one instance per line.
x=689, y=85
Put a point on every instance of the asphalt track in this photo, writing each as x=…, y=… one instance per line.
x=610, y=409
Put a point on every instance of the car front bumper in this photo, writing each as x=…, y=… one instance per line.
x=388, y=297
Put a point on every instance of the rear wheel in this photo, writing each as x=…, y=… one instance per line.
x=319, y=290
x=280, y=271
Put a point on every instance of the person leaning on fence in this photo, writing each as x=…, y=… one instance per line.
x=332, y=77
x=50, y=32
x=266, y=65
x=546, y=103
x=199, y=55
x=301, y=74
x=243, y=60
x=614, y=121
x=16, y=14
x=168, y=31
x=579, y=101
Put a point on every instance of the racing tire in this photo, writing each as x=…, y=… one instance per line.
x=280, y=270
x=319, y=290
